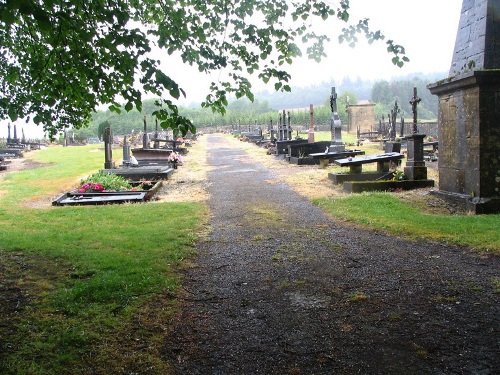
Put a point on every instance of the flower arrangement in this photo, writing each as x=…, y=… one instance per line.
x=174, y=157
x=103, y=182
x=399, y=176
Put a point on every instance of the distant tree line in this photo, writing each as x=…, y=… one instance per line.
x=267, y=106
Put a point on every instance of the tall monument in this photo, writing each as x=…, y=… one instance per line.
x=469, y=111
x=335, y=126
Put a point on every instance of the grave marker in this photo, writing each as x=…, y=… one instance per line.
x=145, y=143
x=415, y=165
x=335, y=125
x=108, y=153
x=310, y=134
x=469, y=111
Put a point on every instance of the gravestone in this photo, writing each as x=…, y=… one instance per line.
x=394, y=114
x=15, y=140
x=145, y=141
x=156, y=143
x=415, y=165
x=310, y=133
x=108, y=152
x=469, y=111
x=126, y=151
x=335, y=126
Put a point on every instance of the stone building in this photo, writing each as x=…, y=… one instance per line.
x=360, y=115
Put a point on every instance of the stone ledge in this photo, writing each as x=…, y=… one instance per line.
x=361, y=186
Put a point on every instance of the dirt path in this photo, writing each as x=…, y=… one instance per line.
x=281, y=289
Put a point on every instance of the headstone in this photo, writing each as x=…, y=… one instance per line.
x=394, y=114
x=415, y=165
x=156, y=143
x=288, y=127
x=145, y=142
x=126, y=151
x=281, y=133
x=310, y=133
x=272, y=132
x=108, y=153
x=8, y=134
x=469, y=110
x=335, y=125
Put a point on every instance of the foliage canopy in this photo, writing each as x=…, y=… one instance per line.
x=61, y=59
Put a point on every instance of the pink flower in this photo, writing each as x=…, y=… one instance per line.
x=81, y=190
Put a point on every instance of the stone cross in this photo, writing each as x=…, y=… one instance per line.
x=333, y=100
x=394, y=113
x=335, y=124
x=414, y=102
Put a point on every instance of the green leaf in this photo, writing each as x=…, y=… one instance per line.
x=8, y=17
x=12, y=114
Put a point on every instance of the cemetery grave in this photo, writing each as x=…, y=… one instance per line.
x=106, y=188
x=144, y=177
x=415, y=171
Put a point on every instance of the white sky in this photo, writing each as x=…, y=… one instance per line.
x=426, y=28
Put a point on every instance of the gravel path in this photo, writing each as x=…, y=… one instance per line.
x=279, y=288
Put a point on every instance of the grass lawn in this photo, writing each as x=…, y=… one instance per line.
x=91, y=272
x=390, y=212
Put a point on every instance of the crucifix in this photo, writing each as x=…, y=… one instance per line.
x=335, y=124
x=414, y=102
x=333, y=100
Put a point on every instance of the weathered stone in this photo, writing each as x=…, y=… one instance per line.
x=469, y=109
x=477, y=47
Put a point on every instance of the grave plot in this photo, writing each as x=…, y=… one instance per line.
x=323, y=153
x=385, y=179
x=140, y=192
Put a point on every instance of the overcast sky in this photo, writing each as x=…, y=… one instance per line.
x=426, y=28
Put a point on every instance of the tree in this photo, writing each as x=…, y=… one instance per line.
x=61, y=59
x=101, y=129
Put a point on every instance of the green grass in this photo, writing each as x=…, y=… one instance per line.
x=384, y=211
x=92, y=269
